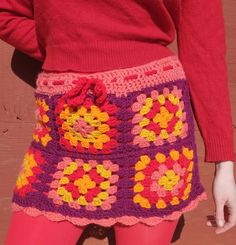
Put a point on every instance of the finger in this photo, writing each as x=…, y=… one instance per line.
x=220, y=220
x=211, y=220
x=226, y=227
x=208, y=223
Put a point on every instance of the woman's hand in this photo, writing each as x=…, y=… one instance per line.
x=224, y=194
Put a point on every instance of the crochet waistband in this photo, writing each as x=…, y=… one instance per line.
x=119, y=81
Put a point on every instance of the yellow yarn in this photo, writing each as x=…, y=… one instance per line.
x=140, y=166
x=144, y=110
x=67, y=135
x=103, y=116
x=45, y=118
x=61, y=191
x=164, y=134
x=136, y=198
x=139, y=176
x=103, y=195
x=176, y=101
x=71, y=168
x=97, y=201
x=71, y=119
x=106, y=174
x=67, y=197
x=150, y=135
x=149, y=102
x=178, y=125
x=163, y=117
x=175, y=201
x=179, y=113
x=104, y=138
x=169, y=180
x=144, y=132
x=73, y=140
x=188, y=188
x=87, y=167
x=105, y=185
x=190, y=167
x=176, y=132
x=190, y=175
x=161, y=204
x=141, y=200
x=82, y=110
x=85, y=143
x=82, y=201
x=100, y=168
x=144, y=122
x=173, y=99
x=145, y=159
x=94, y=110
x=174, y=155
x=84, y=184
x=98, y=144
x=145, y=203
x=28, y=172
x=27, y=165
x=161, y=99
x=65, y=126
x=64, y=180
x=96, y=133
x=160, y=157
x=36, y=137
x=74, y=165
x=44, y=140
x=103, y=172
x=89, y=118
x=188, y=153
x=138, y=187
x=21, y=181
x=44, y=104
x=94, y=122
x=91, y=138
x=103, y=128
x=29, y=161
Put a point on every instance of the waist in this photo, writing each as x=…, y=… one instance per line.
x=102, y=56
x=117, y=81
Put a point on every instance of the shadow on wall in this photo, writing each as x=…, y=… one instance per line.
x=27, y=68
x=100, y=233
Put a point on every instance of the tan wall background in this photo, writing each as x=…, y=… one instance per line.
x=17, y=73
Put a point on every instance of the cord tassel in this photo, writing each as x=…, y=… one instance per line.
x=84, y=87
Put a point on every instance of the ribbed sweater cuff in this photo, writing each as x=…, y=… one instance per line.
x=218, y=149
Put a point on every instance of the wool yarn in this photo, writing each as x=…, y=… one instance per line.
x=112, y=146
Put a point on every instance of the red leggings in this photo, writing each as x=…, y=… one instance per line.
x=28, y=230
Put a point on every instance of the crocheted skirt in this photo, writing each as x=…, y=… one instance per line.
x=115, y=146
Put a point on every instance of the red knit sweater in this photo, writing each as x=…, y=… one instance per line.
x=89, y=36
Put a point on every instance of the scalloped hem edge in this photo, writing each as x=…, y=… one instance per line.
x=124, y=220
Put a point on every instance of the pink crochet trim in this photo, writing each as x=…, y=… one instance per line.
x=126, y=220
x=119, y=81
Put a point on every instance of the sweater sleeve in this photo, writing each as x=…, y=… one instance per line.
x=17, y=27
x=201, y=44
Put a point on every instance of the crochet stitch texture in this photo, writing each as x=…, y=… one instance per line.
x=113, y=146
x=127, y=34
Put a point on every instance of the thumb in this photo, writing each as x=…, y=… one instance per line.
x=220, y=220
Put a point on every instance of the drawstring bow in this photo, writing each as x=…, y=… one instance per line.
x=92, y=87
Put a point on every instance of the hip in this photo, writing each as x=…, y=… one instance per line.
x=115, y=111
